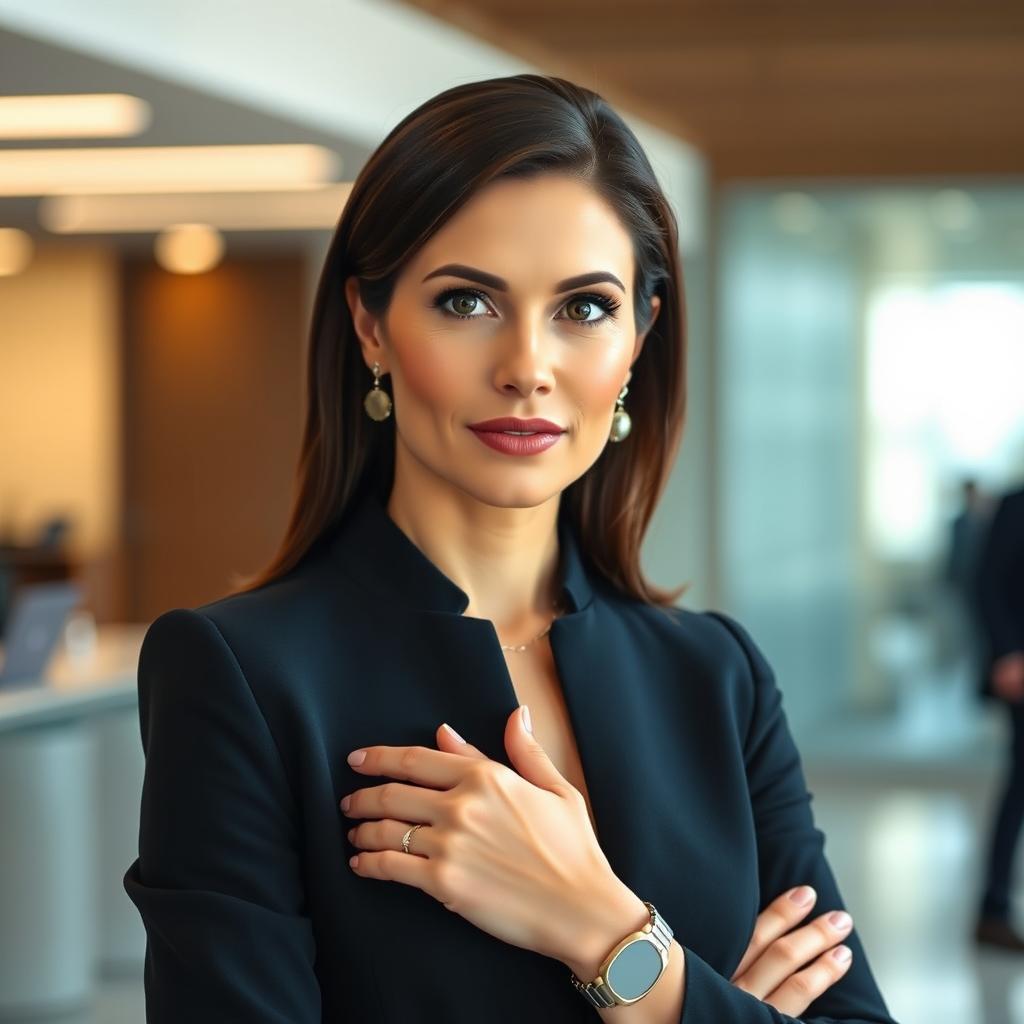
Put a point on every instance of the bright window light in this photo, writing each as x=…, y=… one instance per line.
x=944, y=366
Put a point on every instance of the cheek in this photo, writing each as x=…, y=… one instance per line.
x=433, y=376
x=599, y=382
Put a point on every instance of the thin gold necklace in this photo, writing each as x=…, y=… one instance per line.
x=543, y=632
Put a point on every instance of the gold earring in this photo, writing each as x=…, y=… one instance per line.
x=377, y=402
x=621, y=423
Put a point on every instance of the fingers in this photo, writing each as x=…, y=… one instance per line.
x=420, y=765
x=433, y=877
x=387, y=833
x=779, y=917
x=395, y=800
x=786, y=955
x=449, y=740
x=798, y=991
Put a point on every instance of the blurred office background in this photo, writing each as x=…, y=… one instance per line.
x=848, y=183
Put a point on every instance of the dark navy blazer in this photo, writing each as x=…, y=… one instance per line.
x=249, y=705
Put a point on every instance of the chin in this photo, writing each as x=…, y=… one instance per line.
x=509, y=493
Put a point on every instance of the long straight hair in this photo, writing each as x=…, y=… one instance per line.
x=427, y=167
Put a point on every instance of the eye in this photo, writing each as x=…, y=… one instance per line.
x=586, y=304
x=466, y=300
x=466, y=303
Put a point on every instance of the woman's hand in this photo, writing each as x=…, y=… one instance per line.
x=1008, y=676
x=513, y=852
x=771, y=967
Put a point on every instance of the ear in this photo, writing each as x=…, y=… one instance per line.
x=367, y=326
x=641, y=336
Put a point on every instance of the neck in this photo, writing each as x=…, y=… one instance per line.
x=505, y=559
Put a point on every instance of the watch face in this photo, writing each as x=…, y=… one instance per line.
x=635, y=969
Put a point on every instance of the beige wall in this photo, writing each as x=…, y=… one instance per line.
x=60, y=427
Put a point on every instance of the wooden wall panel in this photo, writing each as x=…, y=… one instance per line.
x=213, y=406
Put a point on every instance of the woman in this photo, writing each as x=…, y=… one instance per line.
x=506, y=255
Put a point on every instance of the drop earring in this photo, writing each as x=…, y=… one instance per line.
x=377, y=402
x=621, y=423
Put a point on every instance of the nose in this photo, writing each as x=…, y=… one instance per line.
x=524, y=361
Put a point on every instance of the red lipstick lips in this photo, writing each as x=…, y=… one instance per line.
x=514, y=436
x=513, y=423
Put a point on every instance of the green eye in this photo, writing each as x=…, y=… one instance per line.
x=463, y=300
x=464, y=303
x=585, y=305
x=464, y=306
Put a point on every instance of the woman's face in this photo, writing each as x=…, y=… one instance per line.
x=528, y=343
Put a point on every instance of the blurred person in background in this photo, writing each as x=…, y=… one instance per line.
x=967, y=533
x=968, y=530
x=1000, y=589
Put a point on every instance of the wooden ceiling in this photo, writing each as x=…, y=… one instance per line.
x=790, y=88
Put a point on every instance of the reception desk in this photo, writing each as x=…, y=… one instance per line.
x=71, y=769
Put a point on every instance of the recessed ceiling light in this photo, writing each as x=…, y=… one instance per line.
x=189, y=248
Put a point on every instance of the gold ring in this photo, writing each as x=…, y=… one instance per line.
x=407, y=838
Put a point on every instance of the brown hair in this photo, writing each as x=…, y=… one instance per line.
x=432, y=162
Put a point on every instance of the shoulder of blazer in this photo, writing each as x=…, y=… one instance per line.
x=716, y=639
x=709, y=649
x=261, y=626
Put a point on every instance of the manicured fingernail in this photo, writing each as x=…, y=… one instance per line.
x=842, y=954
x=357, y=757
x=453, y=732
x=802, y=895
x=526, y=719
x=839, y=919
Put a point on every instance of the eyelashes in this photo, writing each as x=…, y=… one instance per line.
x=605, y=302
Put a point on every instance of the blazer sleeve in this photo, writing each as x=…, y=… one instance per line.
x=790, y=853
x=218, y=880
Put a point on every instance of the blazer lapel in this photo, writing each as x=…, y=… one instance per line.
x=640, y=708
x=460, y=672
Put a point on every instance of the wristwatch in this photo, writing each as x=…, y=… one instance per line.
x=630, y=970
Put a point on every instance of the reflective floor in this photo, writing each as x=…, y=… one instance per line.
x=906, y=806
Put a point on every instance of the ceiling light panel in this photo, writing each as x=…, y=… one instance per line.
x=250, y=211
x=73, y=116
x=127, y=169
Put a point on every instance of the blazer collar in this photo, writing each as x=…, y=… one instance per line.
x=373, y=549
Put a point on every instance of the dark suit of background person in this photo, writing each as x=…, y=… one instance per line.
x=967, y=535
x=250, y=704
x=1000, y=589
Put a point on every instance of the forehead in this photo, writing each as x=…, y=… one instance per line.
x=533, y=232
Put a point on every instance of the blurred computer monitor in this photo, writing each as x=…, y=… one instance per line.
x=33, y=629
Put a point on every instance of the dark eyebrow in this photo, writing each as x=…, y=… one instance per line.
x=501, y=285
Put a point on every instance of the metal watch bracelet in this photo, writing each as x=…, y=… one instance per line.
x=599, y=992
